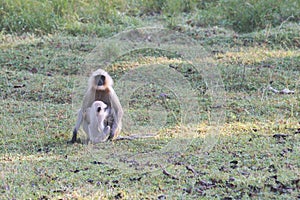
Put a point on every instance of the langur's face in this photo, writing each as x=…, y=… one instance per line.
x=100, y=106
x=100, y=80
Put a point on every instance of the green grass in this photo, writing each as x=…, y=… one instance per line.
x=252, y=152
x=256, y=153
x=104, y=18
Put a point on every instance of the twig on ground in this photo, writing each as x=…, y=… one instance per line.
x=133, y=137
x=190, y=168
x=165, y=172
x=272, y=89
x=284, y=91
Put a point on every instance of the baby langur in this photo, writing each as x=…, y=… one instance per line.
x=93, y=122
x=100, y=89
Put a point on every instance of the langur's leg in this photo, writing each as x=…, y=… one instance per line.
x=77, y=125
x=106, y=132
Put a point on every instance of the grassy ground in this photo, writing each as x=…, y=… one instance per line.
x=256, y=153
x=252, y=151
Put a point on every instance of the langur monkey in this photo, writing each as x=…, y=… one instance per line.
x=100, y=89
x=93, y=122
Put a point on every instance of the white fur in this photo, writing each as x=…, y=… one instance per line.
x=93, y=123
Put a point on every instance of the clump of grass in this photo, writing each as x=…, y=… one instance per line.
x=249, y=16
x=28, y=16
x=254, y=15
x=76, y=17
x=106, y=17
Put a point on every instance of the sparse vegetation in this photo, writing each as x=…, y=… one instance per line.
x=254, y=45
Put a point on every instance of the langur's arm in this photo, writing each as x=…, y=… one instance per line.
x=77, y=125
x=104, y=136
x=117, y=112
x=87, y=102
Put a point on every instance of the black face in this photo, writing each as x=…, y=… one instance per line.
x=101, y=80
x=98, y=109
